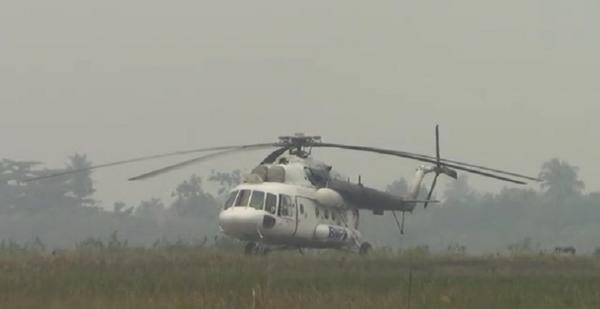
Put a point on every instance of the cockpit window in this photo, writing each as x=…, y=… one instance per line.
x=257, y=200
x=231, y=199
x=316, y=177
x=243, y=198
x=271, y=203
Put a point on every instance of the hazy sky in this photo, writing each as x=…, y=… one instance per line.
x=512, y=83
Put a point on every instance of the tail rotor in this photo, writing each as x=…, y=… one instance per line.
x=439, y=167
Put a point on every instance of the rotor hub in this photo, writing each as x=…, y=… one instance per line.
x=299, y=144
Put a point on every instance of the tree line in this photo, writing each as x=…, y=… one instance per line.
x=62, y=211
x=558, y=213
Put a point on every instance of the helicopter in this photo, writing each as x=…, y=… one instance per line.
x=293, y=201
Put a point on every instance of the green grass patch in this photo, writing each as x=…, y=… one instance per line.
x=202, y=278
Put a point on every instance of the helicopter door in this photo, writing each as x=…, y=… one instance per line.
x=307, y=221
x=287, y=212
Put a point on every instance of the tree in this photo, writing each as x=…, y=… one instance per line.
x=12, y=190
x=226, y=180
x=17, y=195
x=459, y=192
x=81, y=185
x=399, y=187
x=560, y=180
x=121, y=209
x=66, y=191
x=70, y=191
x=191, y=199
x=16, y=171
x=152, y=208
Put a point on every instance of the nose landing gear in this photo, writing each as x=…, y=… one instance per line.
x=364, y=249
x=253, y=248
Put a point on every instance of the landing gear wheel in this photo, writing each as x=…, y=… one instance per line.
x=365, y=249
x=250, y=248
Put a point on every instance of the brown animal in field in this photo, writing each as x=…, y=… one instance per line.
x=567, y=250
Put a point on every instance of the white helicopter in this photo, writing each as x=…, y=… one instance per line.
x=291, y=201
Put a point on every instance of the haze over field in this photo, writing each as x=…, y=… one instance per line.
x=512, y=83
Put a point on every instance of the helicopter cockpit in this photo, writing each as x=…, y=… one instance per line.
x=261, y=200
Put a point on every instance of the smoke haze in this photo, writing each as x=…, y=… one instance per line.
x=512, y=84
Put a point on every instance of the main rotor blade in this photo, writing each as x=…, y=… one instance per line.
x=418, y=157
x=476, y=166
x=198, y=160
x=274, y=155
x=411, y=155
x=492, y=170
x=146, y=158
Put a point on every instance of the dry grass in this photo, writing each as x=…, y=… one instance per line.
x=206, y=279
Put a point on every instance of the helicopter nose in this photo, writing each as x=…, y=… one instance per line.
x=243, y=222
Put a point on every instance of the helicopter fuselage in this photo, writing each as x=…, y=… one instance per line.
x=281, y=214
x=297, y=202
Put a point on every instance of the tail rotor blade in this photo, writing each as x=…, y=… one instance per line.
x=431, y=189
x=437, y=144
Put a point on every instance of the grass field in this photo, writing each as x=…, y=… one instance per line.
x=202, y=278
